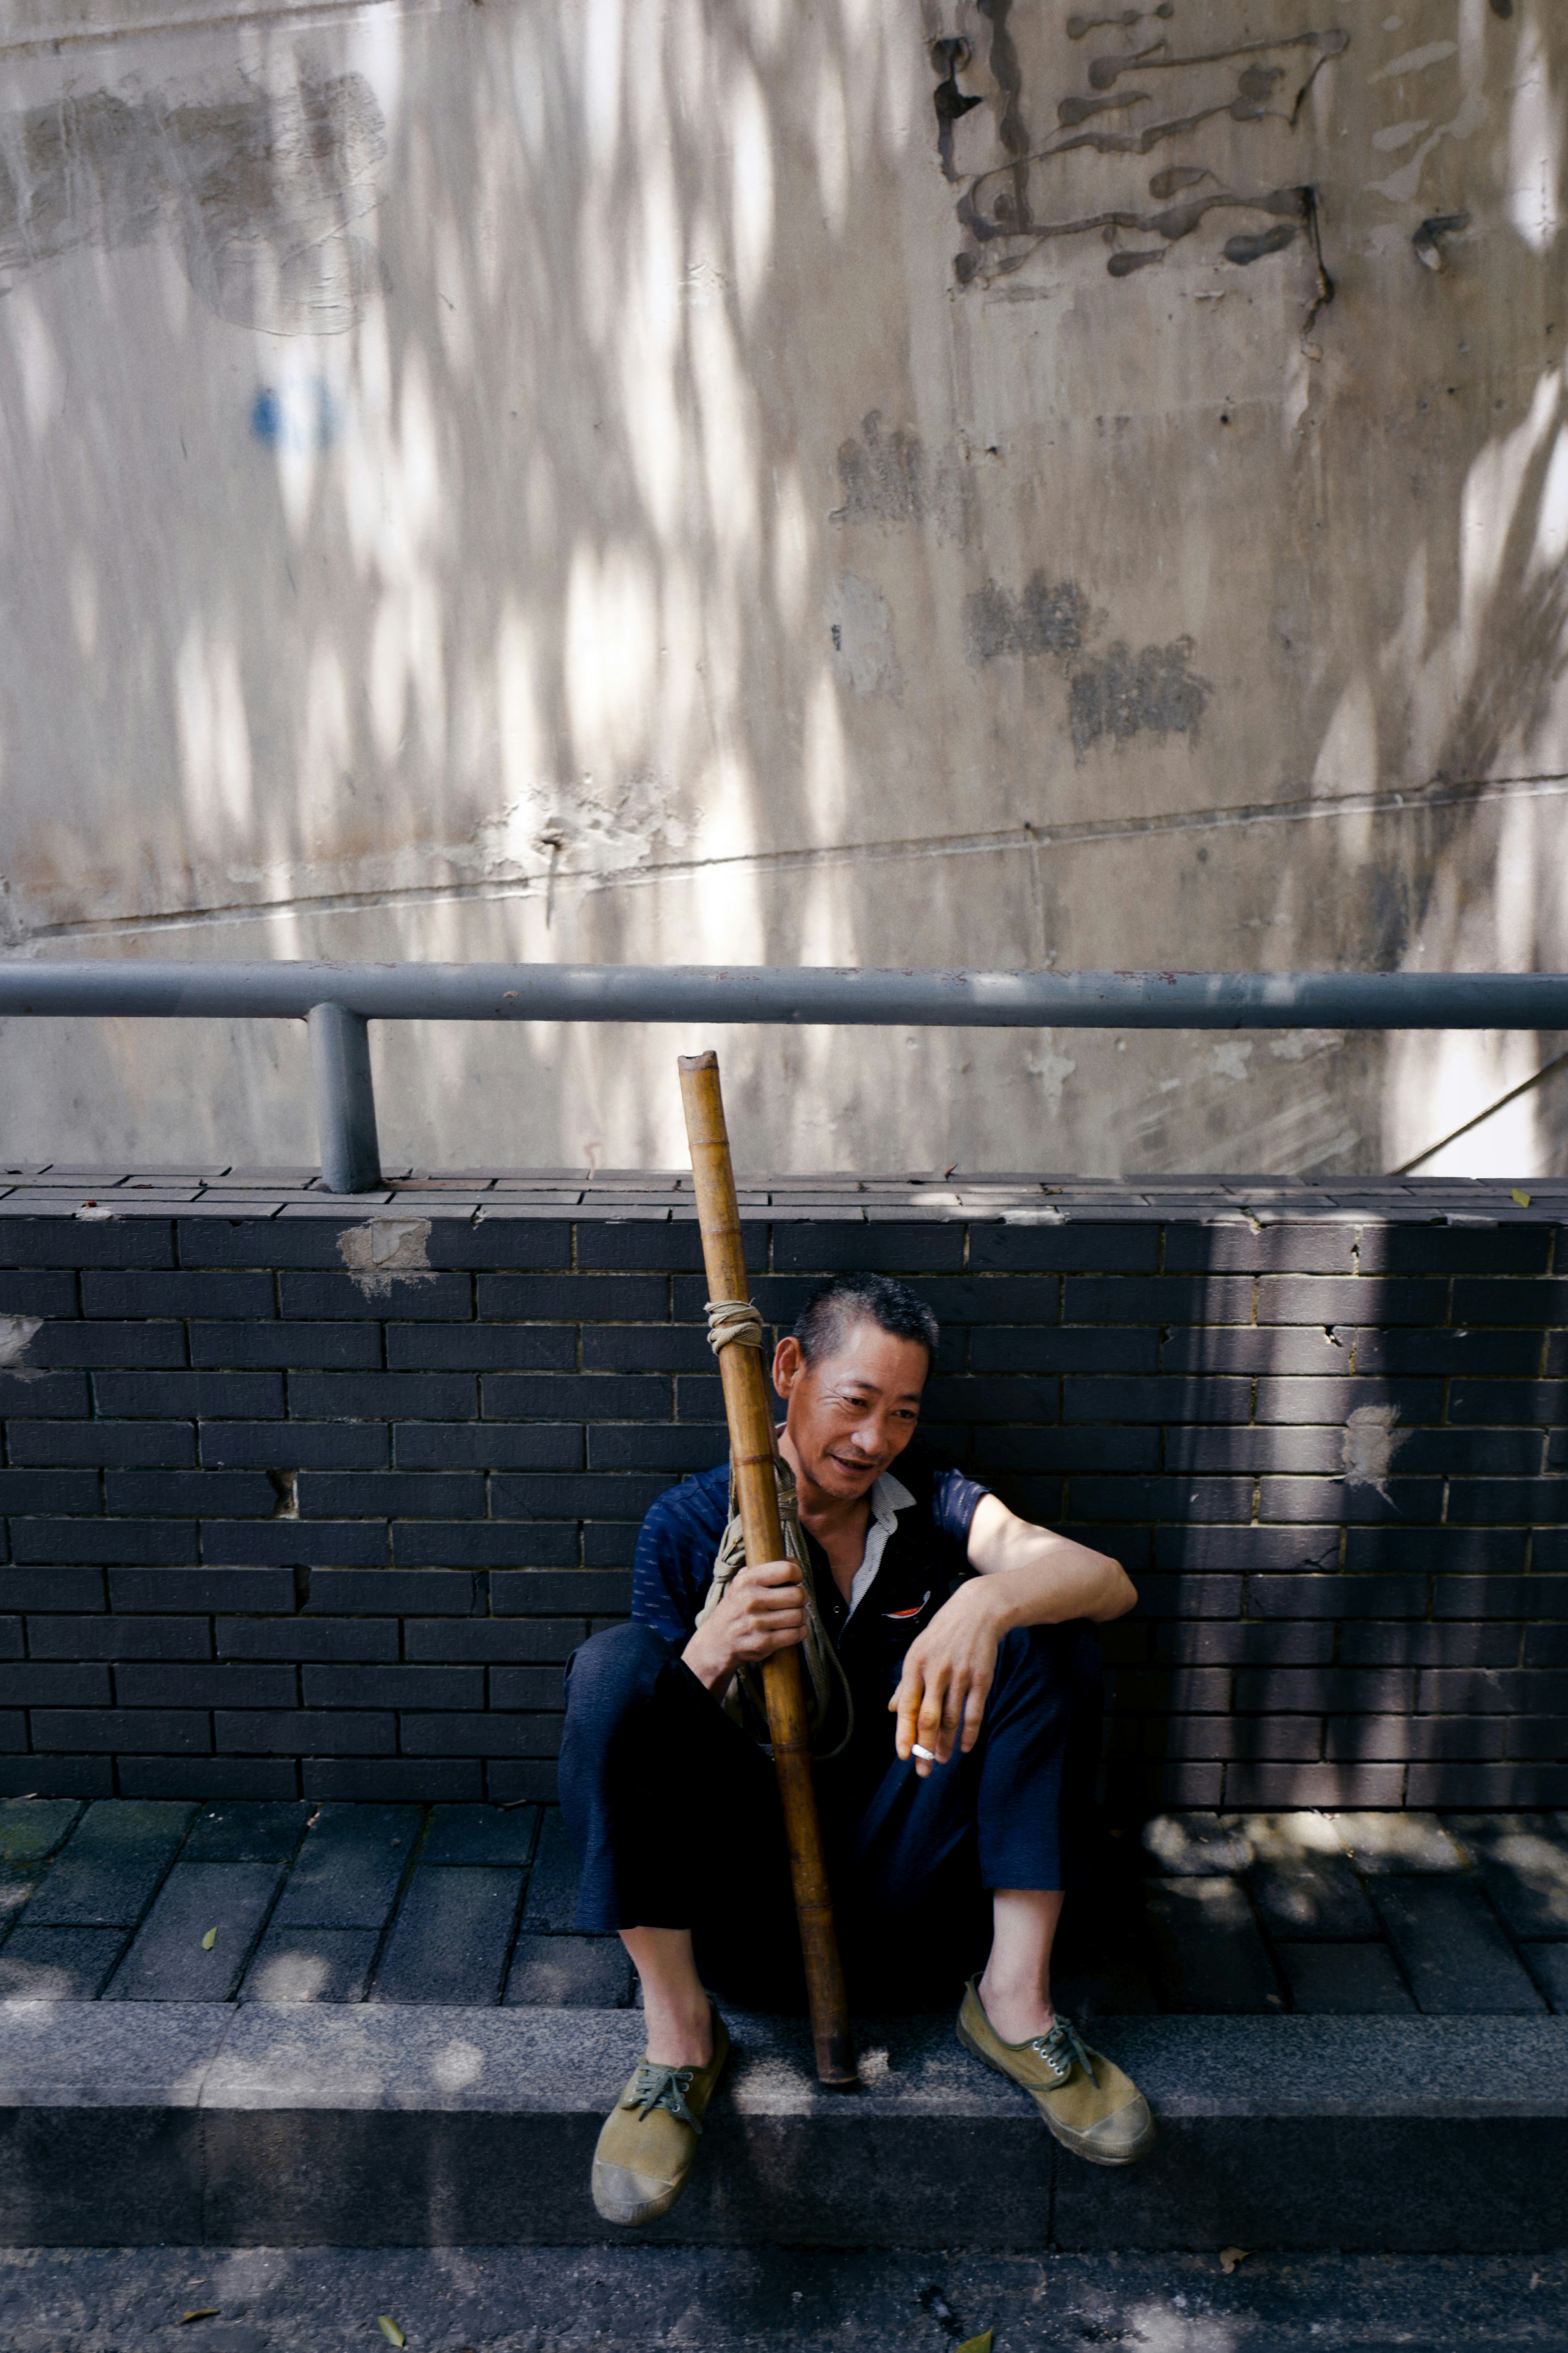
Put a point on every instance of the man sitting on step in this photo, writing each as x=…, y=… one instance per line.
x=958, y=1683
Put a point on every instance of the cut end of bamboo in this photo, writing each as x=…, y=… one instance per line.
x=836, y=2067
x=704, y=1099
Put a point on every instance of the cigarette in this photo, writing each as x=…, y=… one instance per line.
x=927, y=1756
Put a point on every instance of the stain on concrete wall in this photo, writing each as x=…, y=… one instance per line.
x=887, y=477
x=883, y=475
x=258, y=194
x=1041, y=193
x=1046, y=618
x=950, y=58
x=1124, y=694
x=1115, y=695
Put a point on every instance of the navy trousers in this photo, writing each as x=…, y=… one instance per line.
x=675, y=1815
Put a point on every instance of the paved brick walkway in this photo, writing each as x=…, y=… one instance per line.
x=123, y=1900
x=130, y=1901
x=1355, y=1913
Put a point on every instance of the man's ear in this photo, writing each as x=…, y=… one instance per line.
x=788, y=1365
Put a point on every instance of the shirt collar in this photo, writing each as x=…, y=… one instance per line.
x=887, y=1498
x=890, y=1496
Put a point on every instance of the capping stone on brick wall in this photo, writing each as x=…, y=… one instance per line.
x=293, y=1510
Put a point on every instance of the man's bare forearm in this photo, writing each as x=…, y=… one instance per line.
x=1048, y=1594
x=1035, y=1577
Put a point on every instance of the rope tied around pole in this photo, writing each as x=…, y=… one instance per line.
x=734, y=1324
x=738, y=1324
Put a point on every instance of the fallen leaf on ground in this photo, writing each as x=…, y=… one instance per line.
x=209, y=1940
x=1522, y=1198
x=1230, y=2256
x=390, y=2329
x=202, y=2312
x=981, y=2344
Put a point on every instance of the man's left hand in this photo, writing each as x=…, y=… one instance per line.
x=948, y=1672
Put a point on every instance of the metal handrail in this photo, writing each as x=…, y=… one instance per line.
x=340, y=999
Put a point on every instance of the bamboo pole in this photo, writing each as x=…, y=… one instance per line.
x=750, y=1419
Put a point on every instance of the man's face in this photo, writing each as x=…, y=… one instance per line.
x=852, y=1413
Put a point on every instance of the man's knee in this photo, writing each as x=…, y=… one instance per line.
x=613, y=1674
x=1063, y=1661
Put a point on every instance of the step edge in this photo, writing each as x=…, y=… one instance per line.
x=423, y=2059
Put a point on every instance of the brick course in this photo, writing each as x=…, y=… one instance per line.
x=270, y=1527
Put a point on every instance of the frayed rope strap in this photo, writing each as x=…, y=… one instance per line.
x=734, y=1324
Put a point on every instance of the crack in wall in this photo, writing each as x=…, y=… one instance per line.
x=1029, y=836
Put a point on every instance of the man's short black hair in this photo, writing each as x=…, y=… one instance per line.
x=846, y=1299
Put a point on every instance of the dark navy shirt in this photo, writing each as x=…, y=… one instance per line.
x=916, y=1554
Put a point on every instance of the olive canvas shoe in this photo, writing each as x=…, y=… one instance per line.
x=1089, y=2105
x=649, y=2144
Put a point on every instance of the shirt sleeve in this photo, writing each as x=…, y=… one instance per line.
x=953, y=1499
x=673, y=1563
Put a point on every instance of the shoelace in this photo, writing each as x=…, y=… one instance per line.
x=1060, y=2045
x=663, y=2087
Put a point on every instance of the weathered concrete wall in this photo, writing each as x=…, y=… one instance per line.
x=660, y=479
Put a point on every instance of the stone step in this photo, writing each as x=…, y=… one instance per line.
x=260, y=2124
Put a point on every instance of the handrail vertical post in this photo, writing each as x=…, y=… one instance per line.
x=345, y=1099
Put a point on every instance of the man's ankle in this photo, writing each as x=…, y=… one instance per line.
x=1015, y=2013
x=680, y=2038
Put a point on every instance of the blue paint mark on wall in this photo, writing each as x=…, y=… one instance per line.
x=295, y=416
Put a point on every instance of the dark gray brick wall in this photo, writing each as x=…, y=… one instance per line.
x=272, y=1529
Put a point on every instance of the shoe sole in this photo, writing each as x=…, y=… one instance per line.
x=1062, y=2134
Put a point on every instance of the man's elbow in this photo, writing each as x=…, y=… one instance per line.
x=1121, y=1594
